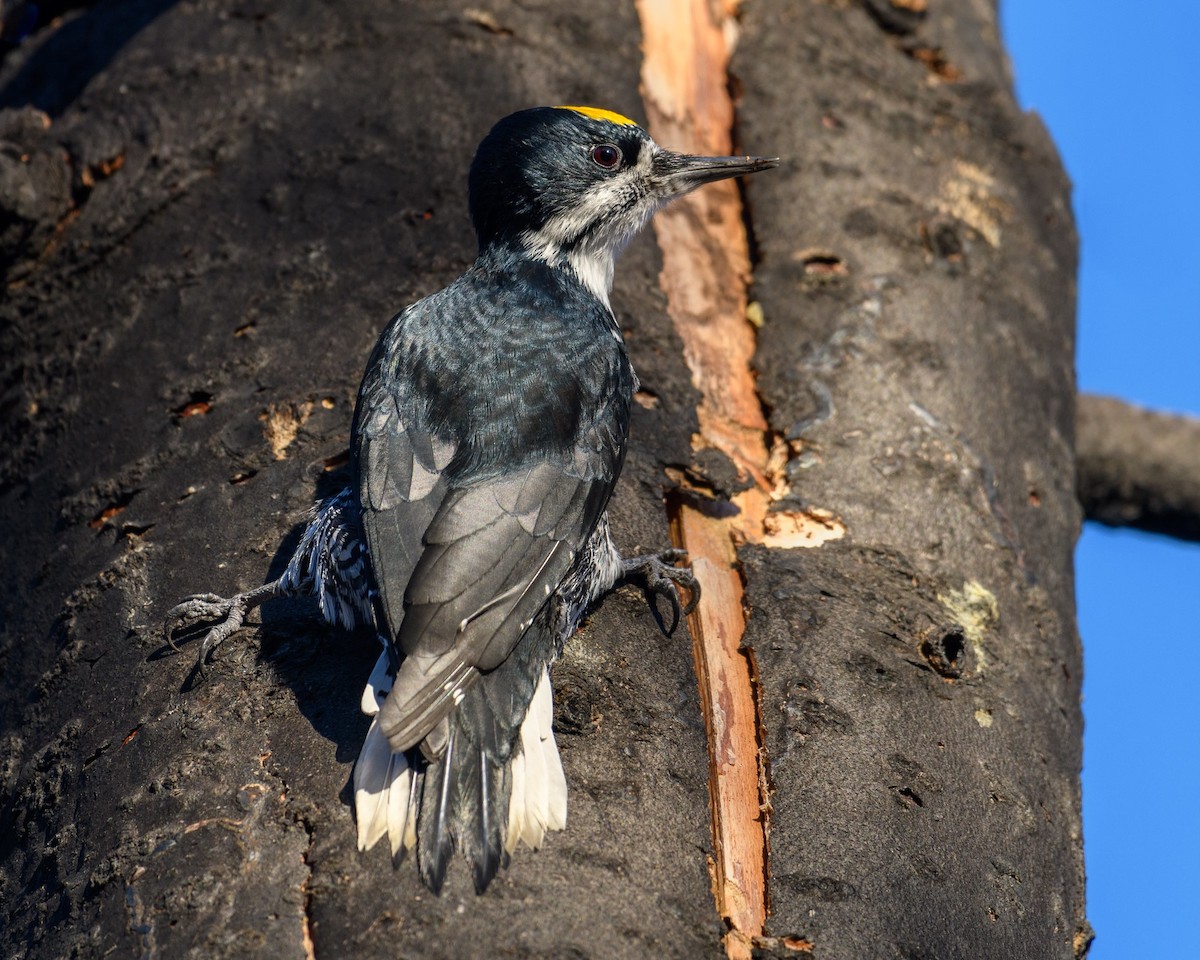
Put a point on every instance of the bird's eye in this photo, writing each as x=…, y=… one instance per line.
x=606, y=156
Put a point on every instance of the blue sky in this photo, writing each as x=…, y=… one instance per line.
x=1119, y=88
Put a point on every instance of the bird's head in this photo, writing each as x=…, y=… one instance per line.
x=572, y=185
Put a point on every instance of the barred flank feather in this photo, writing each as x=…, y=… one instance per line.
x=331, y=562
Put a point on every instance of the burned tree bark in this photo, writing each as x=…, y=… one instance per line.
x=205, y=231
x=921, y=675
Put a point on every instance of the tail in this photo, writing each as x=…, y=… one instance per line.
x=485, y=794
x=458, y=800
x=465, y=799
x=387, y=785
x=491, y=788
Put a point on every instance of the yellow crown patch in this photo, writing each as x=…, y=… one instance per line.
x=597, y=113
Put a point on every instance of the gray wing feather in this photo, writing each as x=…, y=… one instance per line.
x=401, y=486
x=493, y=554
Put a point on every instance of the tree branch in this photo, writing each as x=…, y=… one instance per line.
x=1138, y=468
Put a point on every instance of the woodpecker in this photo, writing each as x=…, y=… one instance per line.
x=488, y=435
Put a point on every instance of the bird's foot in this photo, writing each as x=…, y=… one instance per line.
x=228, y=612
x=657, y=576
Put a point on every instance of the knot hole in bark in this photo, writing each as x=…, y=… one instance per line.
x=947, y=653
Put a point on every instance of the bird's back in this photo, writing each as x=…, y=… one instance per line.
x=514, y=360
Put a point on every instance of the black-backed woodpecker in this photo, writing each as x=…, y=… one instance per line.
x=489, y=433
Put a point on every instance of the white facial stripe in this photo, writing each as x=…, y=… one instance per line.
x=596, y=203
x=646, y=157
x=593, y=259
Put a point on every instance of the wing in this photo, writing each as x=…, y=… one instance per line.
x=468, y=540
x=494, y=552
x=401, y=485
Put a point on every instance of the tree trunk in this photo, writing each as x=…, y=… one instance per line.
x=920, y=678
x=211, y=210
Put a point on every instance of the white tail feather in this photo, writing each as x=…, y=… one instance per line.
x=384, y=800
x=556, y=779
x=371, y=774
x=538, y=800
x=414, y=803
x=535, y=780
x=399, y=781
x=516, y=802
x=378, y=685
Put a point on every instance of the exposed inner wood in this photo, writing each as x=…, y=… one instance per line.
x=706, y=262
x=706, y=269
x=727, y=698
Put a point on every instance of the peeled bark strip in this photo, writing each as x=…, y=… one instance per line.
x=215, y=207
x=1138, y=468
x=706, y=267
x=727, y=697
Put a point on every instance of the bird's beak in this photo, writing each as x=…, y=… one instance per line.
x=676, y=173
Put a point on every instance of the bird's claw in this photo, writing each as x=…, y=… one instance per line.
x=658, y=577
x=228, y=612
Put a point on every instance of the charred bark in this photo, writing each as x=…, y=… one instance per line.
x=920, y=677
x=205, y=231
x=187, y=334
